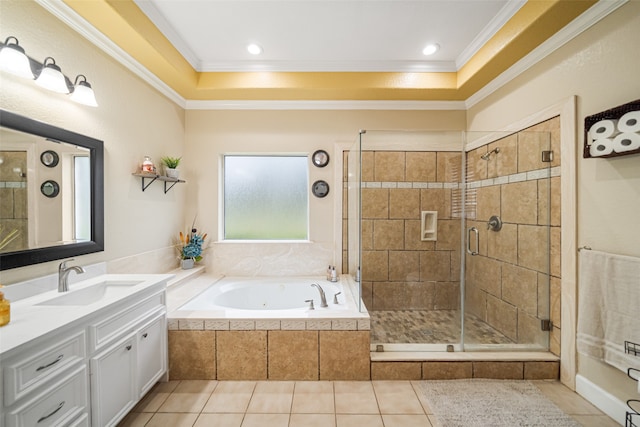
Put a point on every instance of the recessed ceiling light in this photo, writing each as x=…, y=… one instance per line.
x=430, y=49
x=254, y=49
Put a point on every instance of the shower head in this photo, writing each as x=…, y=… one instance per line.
x=486, y=156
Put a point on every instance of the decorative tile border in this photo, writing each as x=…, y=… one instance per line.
x=345, y=324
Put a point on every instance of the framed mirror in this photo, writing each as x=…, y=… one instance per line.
x=35, y=226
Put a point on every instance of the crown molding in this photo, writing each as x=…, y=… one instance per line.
x=85, y=29
x=325, y=105
x=583, y=22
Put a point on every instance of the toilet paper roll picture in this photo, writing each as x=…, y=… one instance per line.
x=626, y=142
x=602, y=129
x=601, y=147
x=630, y=122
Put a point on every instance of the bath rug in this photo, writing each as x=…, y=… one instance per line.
x=492, y=403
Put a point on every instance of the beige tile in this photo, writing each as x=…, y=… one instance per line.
x=567, y=400
x=546, y=197
x=448, y=235
x=151, y=402
x=498, y=370
x=375, y=203
x=529, y=331
x=314, y=387
x=270, y=403
x=487, y=274
x=446, y=296
x=230, y=397
x=404, y=203
x=533, y=247
x=389, y=166
x=274, y=387
x=488, y=202
x=435, y=266
x=506, y=161
x=502, y=316
x=446, y=370
x=367, y=166
x=219, y=420
x=396, y=371
x=554, y=341
x=503, y=244
x=520, y=287
x=396, y=397
x=595, y=421
x=135, y=419
x=313, y=403
x=555, y=300
x=355, y=398
x=165, y=386
x=421, y=166
x=555, y=255
x=312, y=420
x=412, y=238
x=405, y=420
x=388, y=234
x=404, y=265
x=236, y=387
x=184, y=402
x=449, y=165
x=367, y=294
x=173, y=420
x=195, y=386
x=192, y=355
x=476, y=167
x=520, y=202
x=530, y=146
x=419, y=296
x=367, y=234
x=293, y=355
x=475, y=301
x=242, y=355
x=389, y=296
x=541, y=370
x=353, y=387
x=375, y=265
x=266, y=420
x=344, y=355
x=436, y=199
x=359, y=420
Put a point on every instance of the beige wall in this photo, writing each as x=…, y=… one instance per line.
x=133, y=120
x=601, y=69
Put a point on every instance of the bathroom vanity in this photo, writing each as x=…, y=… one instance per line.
x=83, y=357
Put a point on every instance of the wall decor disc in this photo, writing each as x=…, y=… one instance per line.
x=49, y=158
x=320, y=158
x=50, y=188
x=320, y=188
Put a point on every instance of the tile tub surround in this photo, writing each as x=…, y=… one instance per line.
x=213, y=345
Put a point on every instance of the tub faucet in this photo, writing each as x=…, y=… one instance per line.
x=63, y=274
x=323, y=298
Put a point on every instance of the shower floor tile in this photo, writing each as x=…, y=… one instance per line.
x=430, y=327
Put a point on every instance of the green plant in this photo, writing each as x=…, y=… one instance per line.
x=171, y=162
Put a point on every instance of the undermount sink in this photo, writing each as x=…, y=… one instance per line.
x=93, y=293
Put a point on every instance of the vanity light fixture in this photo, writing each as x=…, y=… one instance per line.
x=254, y=49
x=82, y=92
x=14, y=60
x=51, y=77
x=430, y=49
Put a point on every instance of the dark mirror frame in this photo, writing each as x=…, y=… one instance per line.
x=26, y=257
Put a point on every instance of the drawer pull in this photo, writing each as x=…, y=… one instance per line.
x=59, y=358
x=52, y=413
x=145, y=335
x=128, y=347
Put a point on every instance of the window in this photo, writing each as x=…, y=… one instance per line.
x=82, y=197
x=265, y=197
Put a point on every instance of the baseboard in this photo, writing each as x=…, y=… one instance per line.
x=601, y=399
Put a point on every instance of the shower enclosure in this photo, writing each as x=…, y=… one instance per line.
x=448, y=236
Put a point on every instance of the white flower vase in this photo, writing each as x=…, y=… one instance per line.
x=187, y=263
x=172, y=173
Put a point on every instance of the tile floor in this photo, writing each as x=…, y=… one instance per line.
x=312, y=404
x=430, y=327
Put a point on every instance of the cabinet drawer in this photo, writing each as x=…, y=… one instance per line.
x=57, y=405
x=114, y=326
x=21, y=375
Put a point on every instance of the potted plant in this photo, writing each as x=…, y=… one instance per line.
x=170, y=165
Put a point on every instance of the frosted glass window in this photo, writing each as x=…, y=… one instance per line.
x=82, y=198
x=266, y=198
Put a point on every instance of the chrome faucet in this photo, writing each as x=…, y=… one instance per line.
x=63, y=274
x=323, y=298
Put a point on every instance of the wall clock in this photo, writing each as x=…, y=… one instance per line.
x=320, y=188
x=320, y=158
x=49, y=158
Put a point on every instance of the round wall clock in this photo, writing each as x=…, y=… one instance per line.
x=320, y=158
x=320, y=188
x=50, y=188
x=49, y=158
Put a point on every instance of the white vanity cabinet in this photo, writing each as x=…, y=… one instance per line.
x=90, y=370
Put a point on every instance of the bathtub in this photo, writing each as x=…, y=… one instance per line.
x=258, y=298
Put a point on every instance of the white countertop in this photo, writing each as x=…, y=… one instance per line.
x=30, y=320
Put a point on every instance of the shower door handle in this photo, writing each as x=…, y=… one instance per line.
x=469, y=251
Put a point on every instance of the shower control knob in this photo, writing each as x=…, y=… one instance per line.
x=310, y=301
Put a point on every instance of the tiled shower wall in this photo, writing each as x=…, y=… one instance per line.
x=507, y=283
x=400, y=271
x=13, y=194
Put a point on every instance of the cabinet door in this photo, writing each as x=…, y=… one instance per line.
x=152, y=353
x=113, y=382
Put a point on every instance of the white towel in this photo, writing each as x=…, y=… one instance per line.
x=609, y=307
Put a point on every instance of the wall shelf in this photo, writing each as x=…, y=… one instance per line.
x=168, y=182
